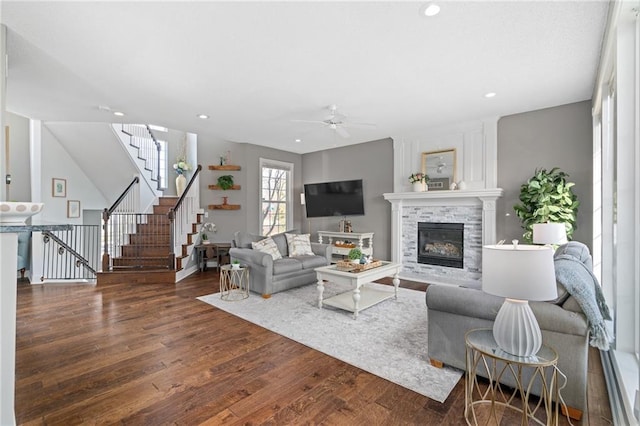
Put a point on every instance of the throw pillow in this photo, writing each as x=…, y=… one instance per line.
x=267, y=246
x=299, y=245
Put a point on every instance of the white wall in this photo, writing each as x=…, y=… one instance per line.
x=20, y=188
x=475, y=143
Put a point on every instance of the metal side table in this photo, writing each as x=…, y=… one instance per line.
x=484, y=356
x=234, y=282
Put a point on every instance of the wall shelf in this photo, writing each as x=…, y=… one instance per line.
x=224, y=206
x=218, y=188
x=225, y=167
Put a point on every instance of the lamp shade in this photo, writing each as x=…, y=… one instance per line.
x=549, y=233
x=518, y=271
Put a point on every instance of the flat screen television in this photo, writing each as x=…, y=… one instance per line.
x=341, y=198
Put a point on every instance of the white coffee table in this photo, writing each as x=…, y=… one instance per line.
x=361, y=297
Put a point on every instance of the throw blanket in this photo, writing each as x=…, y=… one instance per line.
x=574, y=271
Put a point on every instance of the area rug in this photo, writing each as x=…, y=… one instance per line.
x=388, y=339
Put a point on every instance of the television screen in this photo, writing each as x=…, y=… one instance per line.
x=342, y=198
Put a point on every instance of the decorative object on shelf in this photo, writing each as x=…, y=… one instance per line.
x=547, y=197
x=462, y=185
x=440, y=166
x=58, y=187
x=73, y=208
x=453, y=186
x=225, y=182
x=225, y=201
x=223, y=160
x=519, y=273
x=354, y=255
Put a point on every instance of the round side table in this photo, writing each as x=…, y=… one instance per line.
x=234, y=282
x=538, y=371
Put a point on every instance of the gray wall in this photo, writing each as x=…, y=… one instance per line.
x=373, y=163
x=554, y=137
x=247, y=156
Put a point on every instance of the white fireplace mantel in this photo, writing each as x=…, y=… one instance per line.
x=484, y=197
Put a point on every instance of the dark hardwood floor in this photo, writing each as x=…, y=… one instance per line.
x=153, y=354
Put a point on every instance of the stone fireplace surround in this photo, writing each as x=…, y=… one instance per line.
x=475, y=208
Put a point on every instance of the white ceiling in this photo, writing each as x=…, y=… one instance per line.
x=256, y=66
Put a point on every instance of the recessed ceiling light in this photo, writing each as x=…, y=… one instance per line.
x=203, y=116
x=490, y=95
x=298, y=140
x=430, y=9
x=118, y=113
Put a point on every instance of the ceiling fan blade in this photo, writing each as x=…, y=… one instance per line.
x=342, y=132
x=358, y=125
x=309, y=121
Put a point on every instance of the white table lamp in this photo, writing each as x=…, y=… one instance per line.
x=519, y=273
x=549, y=233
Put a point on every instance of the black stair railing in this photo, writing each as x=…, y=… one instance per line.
x=127, y=203
x=149, y=150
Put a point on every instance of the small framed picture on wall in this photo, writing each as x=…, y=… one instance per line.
x=73, y=208
x=58, y=187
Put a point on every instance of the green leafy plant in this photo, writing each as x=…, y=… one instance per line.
x=355, y=254
x=547, y=197
x=225, y=182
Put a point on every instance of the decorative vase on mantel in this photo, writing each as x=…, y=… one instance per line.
x=419, y=187
x=181, y=183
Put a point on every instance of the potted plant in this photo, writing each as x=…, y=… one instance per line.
x=547, y=197
x=225, y=182
x=235, y=264
x=419, y=181
x=354, y=255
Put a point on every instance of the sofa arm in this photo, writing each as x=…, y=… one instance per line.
x=323, y=250
x=260, y=269
x=478, y=304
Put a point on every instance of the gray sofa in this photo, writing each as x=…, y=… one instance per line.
x=268, y=276
x=452, y=311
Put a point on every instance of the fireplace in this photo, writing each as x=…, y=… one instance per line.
x=441, y=244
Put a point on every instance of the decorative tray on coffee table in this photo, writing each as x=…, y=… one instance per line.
x=347, y=266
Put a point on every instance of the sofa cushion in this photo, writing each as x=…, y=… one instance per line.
x=286, y=265
x=299, y=245
x=563, y=295
x=267, y=246
x=281, y=243
x=244, y=239
x=312, y=262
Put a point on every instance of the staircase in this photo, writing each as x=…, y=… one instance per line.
x=144, y=254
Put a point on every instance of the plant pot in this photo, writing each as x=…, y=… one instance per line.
x=418, y=186
x=235, y=266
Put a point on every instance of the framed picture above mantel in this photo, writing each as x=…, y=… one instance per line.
x=440, y=166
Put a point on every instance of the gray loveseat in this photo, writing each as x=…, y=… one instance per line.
x=452, y=311
x=268, y=276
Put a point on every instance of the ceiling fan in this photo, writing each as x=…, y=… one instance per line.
x=338, y=122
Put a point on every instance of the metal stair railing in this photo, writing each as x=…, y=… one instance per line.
x=149, y=149
x=127, y=202
x=72, y=254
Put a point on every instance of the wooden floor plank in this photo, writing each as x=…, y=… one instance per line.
x=154, y=354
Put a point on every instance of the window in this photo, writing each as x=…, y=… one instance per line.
x=275, y=193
